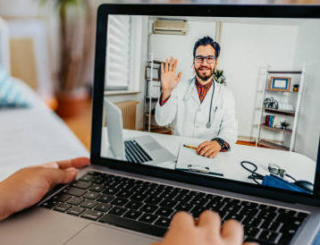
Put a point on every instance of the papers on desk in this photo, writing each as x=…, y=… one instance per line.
x=188, y=159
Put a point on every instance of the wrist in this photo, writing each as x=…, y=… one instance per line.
x=166, y=93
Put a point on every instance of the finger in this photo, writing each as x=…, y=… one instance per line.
x=210, y=221
x=202, y=145
x=175, y=66
x=162, y=69
x=232, y=231
x=59, y=176
x=179, y=76
x=171, y=64
x=209, y=152
x=156, y=243
x=213, y=155
x=182, y=219
x=166, y=70
x=76, y=163
x=204, y=150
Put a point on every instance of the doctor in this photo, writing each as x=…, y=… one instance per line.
x=199, y=107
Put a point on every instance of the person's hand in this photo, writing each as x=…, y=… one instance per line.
x=209, y=149
x=168, y=77
x=206, y=231
x=28, y=186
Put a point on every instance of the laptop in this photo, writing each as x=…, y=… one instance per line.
x=140, y=149
x=120, y=202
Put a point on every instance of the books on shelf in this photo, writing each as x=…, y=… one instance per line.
x=270, y=121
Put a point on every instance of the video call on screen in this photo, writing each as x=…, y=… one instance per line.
x=232, y=98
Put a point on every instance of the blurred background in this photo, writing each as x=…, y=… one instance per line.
x=51, y=48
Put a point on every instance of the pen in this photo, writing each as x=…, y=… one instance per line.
x=190, y=146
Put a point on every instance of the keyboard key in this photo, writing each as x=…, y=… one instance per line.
x=91, y=195
x=62, y=197
x=50, y=203
x=75, y=200
x=76, y=211
x=92, y=214
x=82, y=184
x=197, y=210
x=111, y=191
x=148, y=218
x=105, y=198
x=133, y=214
x=148, y=208
x=251, y=231
x=169, y=204
x=138, y=197
x=75, y=191
x=103, y=207
x=184, y=207
x=135, y=205
x=153, y=200
x=87, y=177
x=88, y=204
x=119, y=202
x=163, y=222
x=118, y=211
x=62, y=207
x=96, y=188
x=165, y=212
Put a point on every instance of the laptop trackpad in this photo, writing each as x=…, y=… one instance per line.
x=101, y=235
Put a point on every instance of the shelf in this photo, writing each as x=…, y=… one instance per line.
x=276, y=129
x=272, y=145
x=153, y=99
x=276, y=91
x=284, y=72
x=287, y=113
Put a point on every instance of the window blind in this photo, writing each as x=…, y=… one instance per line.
x=118, y=53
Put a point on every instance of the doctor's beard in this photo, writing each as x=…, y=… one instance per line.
x=204, y=77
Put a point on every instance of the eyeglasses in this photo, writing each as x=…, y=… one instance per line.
x=210, y=59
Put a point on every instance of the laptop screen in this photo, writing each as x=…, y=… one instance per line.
x=232, y=98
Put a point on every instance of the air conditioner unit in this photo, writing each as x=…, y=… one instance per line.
x=170, y=27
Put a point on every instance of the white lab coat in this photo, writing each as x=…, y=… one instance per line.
x=190, y=117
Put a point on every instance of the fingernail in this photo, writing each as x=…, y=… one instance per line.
x=72, y=170
x=51, y=165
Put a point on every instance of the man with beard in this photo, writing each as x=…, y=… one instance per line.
x=199, y=107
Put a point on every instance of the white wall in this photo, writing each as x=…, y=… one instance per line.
x=308, y=53
x=245, y=48
x=181, y=47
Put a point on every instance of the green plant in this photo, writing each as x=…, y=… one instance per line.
x=218, y=75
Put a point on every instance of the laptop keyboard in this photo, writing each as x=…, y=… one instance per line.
x=135, y=153
x=148, y=207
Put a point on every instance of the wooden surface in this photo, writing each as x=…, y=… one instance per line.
x=81, y=125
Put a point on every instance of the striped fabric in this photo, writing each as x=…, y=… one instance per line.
x=10, y=94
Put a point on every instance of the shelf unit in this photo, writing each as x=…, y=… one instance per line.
x=266, y=92
x=151, y=96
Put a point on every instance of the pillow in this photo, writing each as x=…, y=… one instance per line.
x=10, y=94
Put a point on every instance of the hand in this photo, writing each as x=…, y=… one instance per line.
x=209, y=149
x=168, y=77
x=28, y=186
x=206, y=231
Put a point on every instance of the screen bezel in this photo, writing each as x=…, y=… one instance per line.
x=260, y=11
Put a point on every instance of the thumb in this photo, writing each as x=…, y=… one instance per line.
x=60, y=176
x=179, y=76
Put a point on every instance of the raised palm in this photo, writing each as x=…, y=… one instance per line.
x=169, y=80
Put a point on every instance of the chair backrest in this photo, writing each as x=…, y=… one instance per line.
x=4, y=46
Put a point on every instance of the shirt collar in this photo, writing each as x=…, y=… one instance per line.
x=206, y=86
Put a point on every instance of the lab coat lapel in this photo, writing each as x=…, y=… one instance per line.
x=194, y=93
x=207, y=100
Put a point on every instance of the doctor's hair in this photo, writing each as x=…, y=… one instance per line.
x=206, y=41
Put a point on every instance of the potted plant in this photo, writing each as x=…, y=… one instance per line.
x=76, y=46
x=218, y=75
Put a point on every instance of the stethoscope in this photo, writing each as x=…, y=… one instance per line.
x=209, y=123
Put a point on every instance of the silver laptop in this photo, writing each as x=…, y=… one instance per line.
x=140, y=149
x=269, y=181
